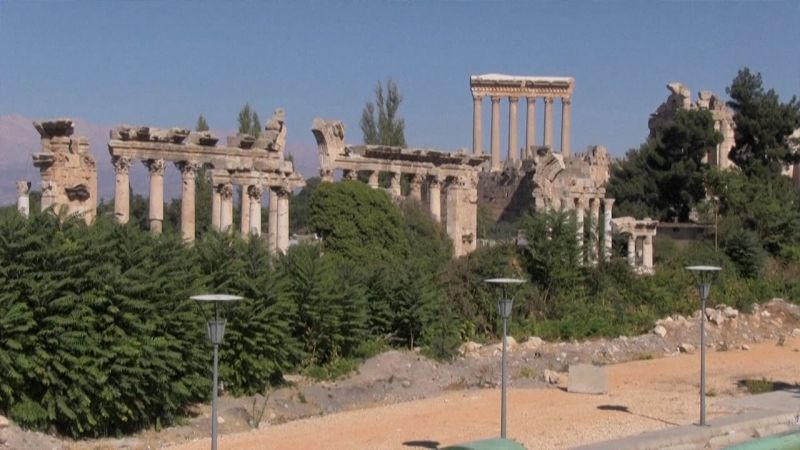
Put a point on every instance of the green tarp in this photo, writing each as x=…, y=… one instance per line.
x=487, y=444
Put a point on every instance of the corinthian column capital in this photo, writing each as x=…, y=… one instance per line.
x=122, y=164
x=155, y=166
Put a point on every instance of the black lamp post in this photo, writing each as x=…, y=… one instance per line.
x=704, y=276
x=216, y=330
x=504, y=306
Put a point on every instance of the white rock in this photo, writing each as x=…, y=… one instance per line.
x=468, y=347
x=220, y=419
x=686, y=348
x=3, y=422
x=715, y=316
x=730, y=313
x=660, y=330
x=550, y=377
x=765, y=313
x=533, y=343
x=796, y=332
x=745, y=347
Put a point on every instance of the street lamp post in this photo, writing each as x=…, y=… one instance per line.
x=504, y=305
x=704, y=276
x=216, y=331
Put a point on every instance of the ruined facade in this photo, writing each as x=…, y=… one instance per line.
x=680, y=98
x=640, y=241
x=257, y=165
x=23, y=198
x=498, y=86
x=449, y=178
x=68, y=170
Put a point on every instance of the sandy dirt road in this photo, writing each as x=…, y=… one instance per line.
x=655, y=393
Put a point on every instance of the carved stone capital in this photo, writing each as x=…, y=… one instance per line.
x=608, y=202
x=255, y=192
x=23, y=187
x=548, y=100
x=496, y=98
x=513, y=100
x=188, y=168
x=566, y=100
x=435, y=182
x=122, y=164
x=225, y=191
x=416, y=180
x=477, y=97
x=155, y=166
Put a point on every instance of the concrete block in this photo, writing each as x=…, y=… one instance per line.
x=587, y=379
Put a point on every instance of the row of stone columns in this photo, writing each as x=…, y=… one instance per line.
x=593, y=205
x=415, y=187
x=221, y=203
x=646, y=246
x=513, y=122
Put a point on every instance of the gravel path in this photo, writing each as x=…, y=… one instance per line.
x=644, y=395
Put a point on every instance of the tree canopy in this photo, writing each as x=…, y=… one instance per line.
x=248, y=120
x=380, y=122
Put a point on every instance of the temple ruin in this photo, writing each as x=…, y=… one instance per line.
x=441, y=175
x=497, y=86
x=640, y=242
x=68, y=170
x=23, y=198
x=254, y=164
x=680, y=98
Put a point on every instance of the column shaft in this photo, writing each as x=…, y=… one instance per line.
x=415, y=188
x=272, y=222
x=188, y=174
x=283, y=221
x=513, y=131
x=594, y=231
x=632, y=250
x=23, y=198
x=216, y=207
x=496, y=163
x=122, y=189
x=548, y=122
x=156, y=215
x=244, y=224
x=226, y=207
x=373, y=180
x=254, y=193
x=647, y=253
x=477, y=132
x=394, y=187
x=435, y=198
x=566, y=126
x=530, y=126
x=580, y=206
x=608, y=204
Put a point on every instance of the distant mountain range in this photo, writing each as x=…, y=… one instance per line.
x=19, y=141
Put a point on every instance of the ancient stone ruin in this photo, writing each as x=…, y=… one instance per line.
x=254, y=164
x=68, y=170
x=680, y=98
x=640, y=241
x=497, y=86
x=451, y=177
x=23, y=198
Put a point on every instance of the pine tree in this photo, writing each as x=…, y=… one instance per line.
x=202, y=125
x=380, y=123
x=248, y=120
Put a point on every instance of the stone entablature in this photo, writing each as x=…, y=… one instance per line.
x=68, y=170
x=453, y=174
x=499, y=86
x=640, y=241
x=254, y=164
x=681, y=98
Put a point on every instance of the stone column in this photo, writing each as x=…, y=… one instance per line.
x=373, y=179
x=156, y=216
x=566, y=126
x=477, y=131
x=530, y=126
x=394, y=186
x=188, y=174
x=548, y=121
x=435, y=198
x=415, y=187
x=23, y=198
x=495, y=133
x=226, y=207
x=272, y=221
x=215, y=207
x=647, y=253
x=283, y=221
x=254, y=193
x=608, y=204
x=632, y=250
x=122, y=189
x=580, y=206
x=244, y=211
x=513, y=131
x=454, y=214
x=594, y=229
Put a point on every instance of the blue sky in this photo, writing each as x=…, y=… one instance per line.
x=163, y=63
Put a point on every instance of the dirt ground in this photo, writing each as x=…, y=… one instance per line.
x=643, y=395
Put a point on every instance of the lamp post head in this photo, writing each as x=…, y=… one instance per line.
x=216, y=325
x=505, y=304
x=704, y=276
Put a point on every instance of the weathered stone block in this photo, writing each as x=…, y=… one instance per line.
x=587, y=379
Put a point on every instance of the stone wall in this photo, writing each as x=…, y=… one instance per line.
x=506, y=196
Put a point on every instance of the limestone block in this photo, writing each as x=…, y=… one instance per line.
x=587, y=379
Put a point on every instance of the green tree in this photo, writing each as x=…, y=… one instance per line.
x=248, y=120
x=763, y=124
x=380, y=123
x=202, y=125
